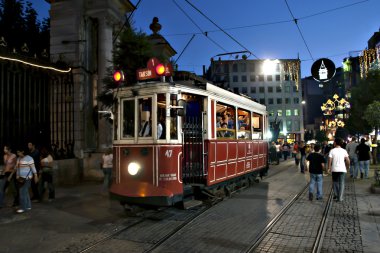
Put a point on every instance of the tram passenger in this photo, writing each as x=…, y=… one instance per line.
x=224, y=132
x=161, y=130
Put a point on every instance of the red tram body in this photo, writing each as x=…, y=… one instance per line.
x=185, y=146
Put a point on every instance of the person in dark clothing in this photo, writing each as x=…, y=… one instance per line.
x=35, y=154
x=302, y=150
x=316, y=166
x=363, y=151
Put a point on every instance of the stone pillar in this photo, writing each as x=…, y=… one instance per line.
x=105, y=57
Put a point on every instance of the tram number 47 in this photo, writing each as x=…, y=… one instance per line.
x=169, y=153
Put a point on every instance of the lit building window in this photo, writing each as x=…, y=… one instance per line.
x=279, y=113
x=288, y=112
x=296, y=112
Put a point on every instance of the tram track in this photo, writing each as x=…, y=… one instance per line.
x=152, y=216
x=317, y=241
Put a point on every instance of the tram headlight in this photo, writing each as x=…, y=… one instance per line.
x=133, y=168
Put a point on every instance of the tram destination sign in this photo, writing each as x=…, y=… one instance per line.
x=154, y=69
x=323, y=70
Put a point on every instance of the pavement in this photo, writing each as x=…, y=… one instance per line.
x=82, y=211
x=369, y=213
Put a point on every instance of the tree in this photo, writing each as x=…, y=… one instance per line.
x=341, y=133
x=131, y=53
x=367, y=91
x=320, y=136
x=12, y=22
x=19, y=24
x=309, y=135
x=372, y=116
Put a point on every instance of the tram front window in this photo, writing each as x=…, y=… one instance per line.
x=128, y=119
x=145, y=117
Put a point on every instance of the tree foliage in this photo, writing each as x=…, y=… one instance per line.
x=19, y=25
x=131, y=53
x=321, y=136
x=309, y=135
x=367, y=91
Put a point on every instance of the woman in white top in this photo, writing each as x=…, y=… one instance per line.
x=107, y=165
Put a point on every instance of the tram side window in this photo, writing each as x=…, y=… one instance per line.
x=244, y=123
x=257, y=126
x=173, y=118
x=128, y=118
x=225, y=121
x=161, y=112
x=145, y=117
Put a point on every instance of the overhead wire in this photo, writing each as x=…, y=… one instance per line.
x=200, y=29
x=221, y=29
x=299, y=30
x=274, y=22
x=127, y=21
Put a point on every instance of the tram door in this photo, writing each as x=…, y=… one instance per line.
x=192, y=163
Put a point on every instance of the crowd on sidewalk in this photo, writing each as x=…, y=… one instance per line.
x=318, y=160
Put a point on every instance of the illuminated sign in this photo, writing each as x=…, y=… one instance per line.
x=323, y=70
x=154, y=70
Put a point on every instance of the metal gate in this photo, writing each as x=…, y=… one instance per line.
x=193, y=148
x=36, y=104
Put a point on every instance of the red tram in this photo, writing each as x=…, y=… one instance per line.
x=169, y=137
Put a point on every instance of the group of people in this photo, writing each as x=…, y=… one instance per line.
x=278, y=150
x=25, y=169
x=336, y=160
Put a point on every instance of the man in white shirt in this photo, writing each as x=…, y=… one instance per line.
x=338, y=164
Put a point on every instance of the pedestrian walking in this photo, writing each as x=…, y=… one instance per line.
x=338, y=164
x=8, y=177
x=354, y=164
x=302, y=150
x=285, y=150
x=364, y=156
x=316, y=165
x=25, y=172
x=107, y=164
x=296, y=154
x=46, y=175
x=273, y=153
x=35, y=154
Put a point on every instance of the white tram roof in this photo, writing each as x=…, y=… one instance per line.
x=207, y=89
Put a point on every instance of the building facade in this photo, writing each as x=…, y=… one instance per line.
x=81, y=37
x=274, y=83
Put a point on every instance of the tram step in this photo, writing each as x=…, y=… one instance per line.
x=191, y=203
